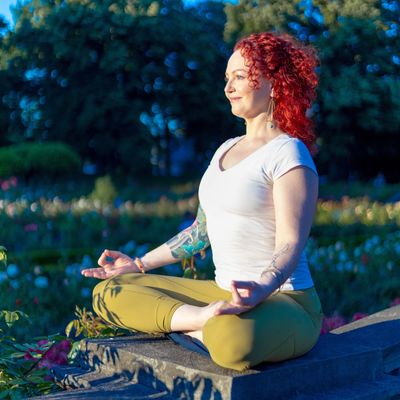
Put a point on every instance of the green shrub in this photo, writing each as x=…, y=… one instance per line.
x=10, y=163
x=104, y=190
x=49, y=159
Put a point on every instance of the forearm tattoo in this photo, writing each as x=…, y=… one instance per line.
x=192, y=239
x=272, y=269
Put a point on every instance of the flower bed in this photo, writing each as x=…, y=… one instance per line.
x=354, y=256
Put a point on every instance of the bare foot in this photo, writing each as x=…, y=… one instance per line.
x=209, y=311
x=196, y=334
x=193, y=318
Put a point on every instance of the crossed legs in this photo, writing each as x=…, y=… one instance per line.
x=285, y=325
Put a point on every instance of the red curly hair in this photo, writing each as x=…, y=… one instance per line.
x=290, y=67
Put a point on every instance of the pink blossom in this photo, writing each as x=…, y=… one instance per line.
x=395, y=302
x=332, y=322
x=5, y=185
x=28, y=356
x=359, y=315
x=13, y=181
x=55, y=355
x=31, y=228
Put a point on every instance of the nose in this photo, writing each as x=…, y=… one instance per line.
x=228, y=87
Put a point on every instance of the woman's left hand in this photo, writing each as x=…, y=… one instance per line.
x=245, y=296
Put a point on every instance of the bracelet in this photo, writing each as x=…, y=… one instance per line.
x=140, y=264
x=277, y=274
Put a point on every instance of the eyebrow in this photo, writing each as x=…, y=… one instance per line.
x=239, y=69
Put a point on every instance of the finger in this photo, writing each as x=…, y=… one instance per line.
x=102, y=259
x=108, y=253
x=94, y=272
x=112, y=253
x=236, y=298
x=230, y=309
x=249, y=285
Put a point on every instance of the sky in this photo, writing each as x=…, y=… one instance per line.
x=5, y=9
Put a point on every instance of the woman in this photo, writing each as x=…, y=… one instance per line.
x=257, y=202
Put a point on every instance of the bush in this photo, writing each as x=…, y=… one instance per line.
x=48, y=159
x=104, y=190
x=10, y=163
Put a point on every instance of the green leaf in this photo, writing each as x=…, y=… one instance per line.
x=3, y=256
x=69, y=327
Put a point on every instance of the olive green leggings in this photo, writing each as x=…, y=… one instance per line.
x=285, y=325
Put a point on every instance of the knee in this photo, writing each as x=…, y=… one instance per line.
x=227, y=346
x=98, y=296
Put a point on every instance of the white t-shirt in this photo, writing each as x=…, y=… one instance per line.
x=240, y=213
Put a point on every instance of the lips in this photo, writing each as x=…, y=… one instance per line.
x=234, y=98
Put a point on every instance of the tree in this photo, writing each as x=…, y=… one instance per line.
x=118, y=78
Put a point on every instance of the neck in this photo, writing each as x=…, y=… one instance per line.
x=259, y=129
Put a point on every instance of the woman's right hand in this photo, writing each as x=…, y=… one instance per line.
x=112, y=263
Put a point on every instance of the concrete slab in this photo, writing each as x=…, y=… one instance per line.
x=163, y=365
x=351, y=363
x=121, y=392
x=379, y=331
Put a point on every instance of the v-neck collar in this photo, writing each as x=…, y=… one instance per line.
x=243, y=160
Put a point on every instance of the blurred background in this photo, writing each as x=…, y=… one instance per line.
x=111, y=110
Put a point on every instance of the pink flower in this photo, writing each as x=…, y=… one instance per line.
x=30, y=228
x=359, y=315
x=364, y=259
x=5, y=185
x=13, y=181
x=395, y=302
x=28, y=356
x=332, y=322
x=57, y=354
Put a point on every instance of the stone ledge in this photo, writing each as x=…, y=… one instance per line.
x=352, y=362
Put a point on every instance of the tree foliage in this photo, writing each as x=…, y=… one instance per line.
x=124, y=82
x=119, y=80
x=356, y=111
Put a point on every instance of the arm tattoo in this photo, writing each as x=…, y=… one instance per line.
x=192, y=239
x=273, y=269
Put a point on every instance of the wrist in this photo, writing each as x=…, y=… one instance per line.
x=270, y=282
x=140, y=265
x=267, y=288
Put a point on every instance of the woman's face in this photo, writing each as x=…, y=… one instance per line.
x=246, y=102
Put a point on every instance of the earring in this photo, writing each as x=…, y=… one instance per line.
x=270, y=113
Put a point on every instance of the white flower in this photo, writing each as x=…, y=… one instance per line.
x=389, y=265
x=338, y=246
x=12, y=270
x=342, y=256
x=14, y=284
x=37, y=270
x=357, y=252
x=3, y=276
x=41, y=282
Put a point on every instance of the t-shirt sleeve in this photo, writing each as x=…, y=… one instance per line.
x=291, y=154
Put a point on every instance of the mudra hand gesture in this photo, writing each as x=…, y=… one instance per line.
x=245, y=296
x=112, y=263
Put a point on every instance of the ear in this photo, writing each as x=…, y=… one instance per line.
x=272, y=92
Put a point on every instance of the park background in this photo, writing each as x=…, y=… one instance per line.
x=110, y=112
